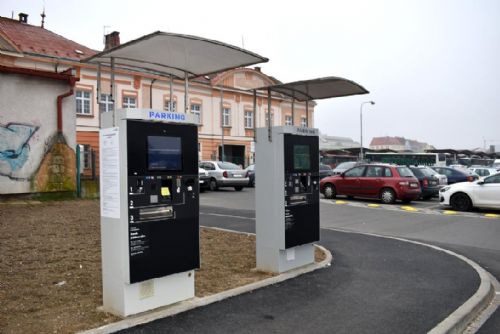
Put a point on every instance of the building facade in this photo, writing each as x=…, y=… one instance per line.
x=37, y=118
x=231, y=126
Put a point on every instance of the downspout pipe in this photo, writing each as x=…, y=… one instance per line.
x=59, y=109
x=71, y=80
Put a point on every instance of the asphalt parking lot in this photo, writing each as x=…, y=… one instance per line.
x=229, y=198
x=474, y=234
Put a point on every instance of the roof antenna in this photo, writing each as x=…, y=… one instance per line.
x=43, y=16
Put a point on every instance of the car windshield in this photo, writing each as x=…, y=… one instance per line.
x=227, y=165
x=345, y=165
x=405, y=172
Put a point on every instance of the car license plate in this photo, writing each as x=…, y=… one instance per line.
x=201, y=181
x=413, y=185
x=237, y=175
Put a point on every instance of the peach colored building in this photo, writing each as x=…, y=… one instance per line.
x=233, y=126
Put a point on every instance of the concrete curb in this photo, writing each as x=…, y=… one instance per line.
x=458, y=320
x=193, y=303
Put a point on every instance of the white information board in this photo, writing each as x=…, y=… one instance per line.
x=110, y=172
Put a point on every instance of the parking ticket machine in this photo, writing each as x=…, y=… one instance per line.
x=149, y=209
x=287, y=197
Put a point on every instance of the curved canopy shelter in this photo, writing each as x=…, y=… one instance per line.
x=178, y=55
x=173, y=55
x=314, y=89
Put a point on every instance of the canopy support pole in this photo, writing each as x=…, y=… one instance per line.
x=171, y=101
x=112, y=88
x=255, y=115
x=98, y=97
x=186, y=93
x=293, y=109
x=222, y=121
x=269, y=133
x=307, y=107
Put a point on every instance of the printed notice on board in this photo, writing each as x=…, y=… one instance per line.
x=110, y=172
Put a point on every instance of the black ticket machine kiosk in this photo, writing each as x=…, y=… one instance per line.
x=287, y=197
x=149, y=209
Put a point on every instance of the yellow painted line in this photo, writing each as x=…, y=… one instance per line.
x=340, y=202
x=449, y=212
x=408, y=208
x=492, y=215
x=373, y=205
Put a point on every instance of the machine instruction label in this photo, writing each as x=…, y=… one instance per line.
x=110, y=172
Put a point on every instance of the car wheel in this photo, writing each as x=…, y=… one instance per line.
x=213, y=184
x=387, y=196
x=239, y=188
x=460, y=202
x=330, y=191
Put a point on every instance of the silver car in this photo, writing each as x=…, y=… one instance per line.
x=225, y=174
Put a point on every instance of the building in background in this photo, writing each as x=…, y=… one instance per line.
x=399, y=144
x=26, y=46
x=336, y=143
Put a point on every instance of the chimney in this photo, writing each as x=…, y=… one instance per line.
x=257, y=68
x=111, y=40
x=23, y=18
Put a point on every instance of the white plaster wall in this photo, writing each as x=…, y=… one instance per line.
x=32, y=102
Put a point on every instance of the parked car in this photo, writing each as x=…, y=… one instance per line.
x=342, y=167
x=483, y=171
x=251, y=175
x=443, y=180
x=204, y=179
x=225, y=174
x=456, y=175
x=429, y=182
x=324, y=171
x=496, y=164
x=483, y=193
x=386, y=182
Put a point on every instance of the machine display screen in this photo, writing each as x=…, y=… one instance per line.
x=301, y=157
x=164, y=153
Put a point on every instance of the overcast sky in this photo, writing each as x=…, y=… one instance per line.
x=431, y=66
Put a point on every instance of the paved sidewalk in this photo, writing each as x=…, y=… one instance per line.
x=375, y=285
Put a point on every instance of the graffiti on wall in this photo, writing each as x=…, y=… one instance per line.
x=14, y=147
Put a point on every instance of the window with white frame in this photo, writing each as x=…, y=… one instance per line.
x=267, y=119
x=248, y=119
x=106, y=103
x=129, y=102
x=226, y=116
x=170, y=107
x=196, y=109
x=303, y=122
x=288, y=120
x=83, y=99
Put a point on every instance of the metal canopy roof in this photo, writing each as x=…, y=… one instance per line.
x=179, y=55
x=320, y=88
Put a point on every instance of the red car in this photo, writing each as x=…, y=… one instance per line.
x=386, y=182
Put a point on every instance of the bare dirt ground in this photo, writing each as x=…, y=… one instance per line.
x=50, y=266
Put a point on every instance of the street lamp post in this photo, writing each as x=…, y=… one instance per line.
x=361, y=127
